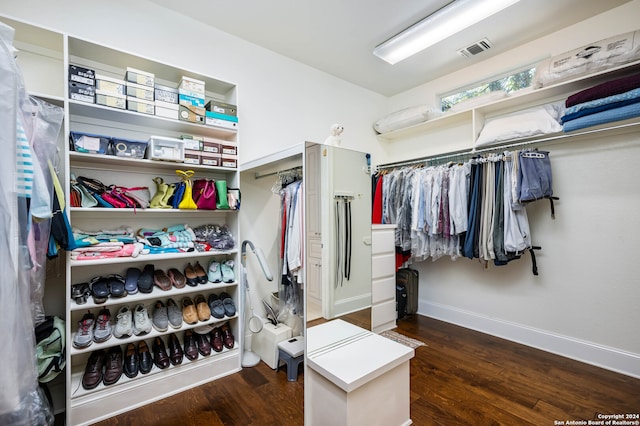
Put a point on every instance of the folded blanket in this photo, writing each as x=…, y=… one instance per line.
x=616, y=114
x=602, y=104
x=603, y=90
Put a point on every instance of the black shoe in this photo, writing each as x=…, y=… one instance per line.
x=100, y=289
x=204, y=347
x=160, y=357
x=175, y=351
x=130, y=365
x=93, y=371
x=145, y=281
x=116, y=285
x=113, y=366
x=144, y=357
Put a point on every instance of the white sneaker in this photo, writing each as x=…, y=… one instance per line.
x=123, y=323
x=141, y=321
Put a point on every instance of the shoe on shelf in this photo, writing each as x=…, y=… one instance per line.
x=228, y=304
x=80, y=293
x=215, y=305
x=175, y=351
x=141, y=321
x=204, y=313
x=227, y=336
x=190, y=346
x=93, y=371
x=161, y=279
x=174, y=314
x=84, y=336
x=99, y=289
x=112, y=366
x=190, y=275
x=214, y=274
x=145, y=281
x=145, y=360
x=160, y=317
x=160, y=357
x=177, y=278
x=102, y=332
x=124, y=323
x=130, y=363
x=204, y=347
x=227, y=271
x=131, y=280
x=216, y=339
x=200, y=273
x=189, y=313
x=116, y=285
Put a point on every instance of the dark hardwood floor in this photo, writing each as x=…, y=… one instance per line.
x=461, y=378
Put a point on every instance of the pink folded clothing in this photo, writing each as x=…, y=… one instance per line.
x=128, y=250
x=101, y=247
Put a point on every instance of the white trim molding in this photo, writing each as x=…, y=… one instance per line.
x=613, y=359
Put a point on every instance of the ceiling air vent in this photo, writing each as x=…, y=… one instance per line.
x=475, y=48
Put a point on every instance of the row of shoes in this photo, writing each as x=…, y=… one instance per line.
x=99, y=328
x=115, y=285
x=107, y=366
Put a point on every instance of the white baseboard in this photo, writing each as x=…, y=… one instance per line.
x=617, y=360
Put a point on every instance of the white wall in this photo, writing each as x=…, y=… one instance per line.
x=585, y=302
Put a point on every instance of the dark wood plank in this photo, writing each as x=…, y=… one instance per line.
x=461, y=378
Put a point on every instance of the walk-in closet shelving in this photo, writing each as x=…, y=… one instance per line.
x=87, y=406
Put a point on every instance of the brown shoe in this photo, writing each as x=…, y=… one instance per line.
x=161, y=279
x=216, y=339
x=113, y=366
x=160, y=357
x=227, y=336
x=175, y=350
x=93, y=371
x=190, y=345
x=177, y=278
x=204, y=347
x=204, y=313
x=189, y=313
x=200, y=273
x=190, y=275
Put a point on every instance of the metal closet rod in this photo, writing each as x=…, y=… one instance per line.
x=469, y=153
x=259, y=176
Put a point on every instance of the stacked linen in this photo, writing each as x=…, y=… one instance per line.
x=611, y=101
x=105, y=244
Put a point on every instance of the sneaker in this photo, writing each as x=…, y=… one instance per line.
x=174, y=313
x=141, y=320
x=84, y=336
x=160, y=318
x=124, y=321
x=102, y=331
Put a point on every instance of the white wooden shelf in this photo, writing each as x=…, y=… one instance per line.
x=150, y=258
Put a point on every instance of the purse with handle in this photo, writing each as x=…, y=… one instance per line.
x=207, y=196
x=187, y=202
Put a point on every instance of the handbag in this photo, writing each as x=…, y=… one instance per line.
x=187, y=202
x=96, y=188
x=207, y=196
x=198, y=186
x=81, y=197
x=233, y=198
x=221, y=189
x=140, y=194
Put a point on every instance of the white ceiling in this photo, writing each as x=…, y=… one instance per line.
x=338, y=36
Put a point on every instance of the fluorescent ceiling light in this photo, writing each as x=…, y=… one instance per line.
x=436, y=27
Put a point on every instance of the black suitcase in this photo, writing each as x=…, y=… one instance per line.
x=401, y=301
x=409, y=278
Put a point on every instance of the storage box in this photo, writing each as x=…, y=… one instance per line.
x=230, y=161
x=111, y=100
x=191, y=113
x=188, y=83
x=82, y=92
x=82, y=75
x=166, y=109
x=229, y=149
x=210, y=159
x=208, y=146
x=110, y=85
x=185, y=92
x=167, y=149
x=191, y=156
x=139, y=77
x=166, y=94
x=226, y=117
x=129, y=148
x=221, y=107
x=190, y=100
x=89, y=143
x=217, y=122
x=140, y=91
x=192, y=143
x=140, y=105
